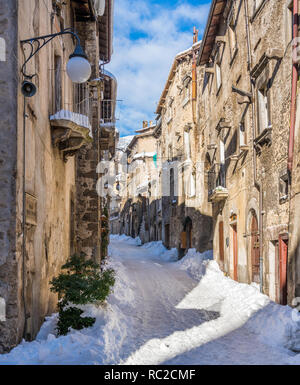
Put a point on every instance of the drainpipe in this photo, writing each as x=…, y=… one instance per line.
x=256, y=182
x=24, y=221
x=294, y=90
x=194, y=78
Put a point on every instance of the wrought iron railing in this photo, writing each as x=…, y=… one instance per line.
x=216, y=178
x=108, y=111
x=82, y=99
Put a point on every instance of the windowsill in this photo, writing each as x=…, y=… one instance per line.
x=233, y=56
x=264, y=138
x=185, y=102
x=257, y=10
x=218, y=91
x=244, y=147
x=283, y=199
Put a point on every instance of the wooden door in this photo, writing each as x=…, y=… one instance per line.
x=255, y=252
x=283, y=256
x=183, y=240
x=235, y=252
x=221, y=241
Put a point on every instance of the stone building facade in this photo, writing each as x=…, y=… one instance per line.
x=186, y=213
x=49, y=152
x=245, y=66
x=119, y=195
x=139, y=187
x=227, y=146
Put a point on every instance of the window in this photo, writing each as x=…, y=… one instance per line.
x=257, y=4
x=263, y=108
x=169, y=114
x=218, y=77
x=2, y=49
x=221, y=178
x=243, y=141
x=187, y=144
x=283, y=187
x=186, y=93
x=289, y=21
x=172, y=185
x=222, y=152
x=232, y=34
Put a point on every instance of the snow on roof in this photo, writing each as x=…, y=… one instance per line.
x=124, y=142
x=197, y=44
x=144, y=155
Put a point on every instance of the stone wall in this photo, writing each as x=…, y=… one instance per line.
x=179, y=144
x=226, y=115
x=87, y=200
x=10, y=329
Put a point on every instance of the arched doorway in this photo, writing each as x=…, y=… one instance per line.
x=255, y=252
x=167, y=236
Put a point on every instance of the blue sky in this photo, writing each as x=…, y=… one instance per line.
x=147, y=36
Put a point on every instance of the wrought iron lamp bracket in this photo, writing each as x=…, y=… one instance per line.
x=37, y=43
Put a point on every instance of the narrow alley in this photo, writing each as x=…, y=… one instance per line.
x=161, y=314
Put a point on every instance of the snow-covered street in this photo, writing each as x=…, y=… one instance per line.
x=168, y=312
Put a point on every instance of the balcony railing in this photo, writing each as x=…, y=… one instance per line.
x=108, y=114
x=72, y=129
x=217, y=190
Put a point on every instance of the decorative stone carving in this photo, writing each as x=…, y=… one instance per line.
x=70, y=131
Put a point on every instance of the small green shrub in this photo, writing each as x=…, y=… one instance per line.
x=82, y=283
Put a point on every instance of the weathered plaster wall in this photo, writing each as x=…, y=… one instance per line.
x=9, y=330
x=243, y=199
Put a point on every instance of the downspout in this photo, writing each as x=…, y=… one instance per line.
x=292, y=125
x=24, y=221
x=256, y=182
x=294, y=91
x=194, y=78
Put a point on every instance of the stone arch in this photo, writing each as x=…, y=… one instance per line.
x=2, y=49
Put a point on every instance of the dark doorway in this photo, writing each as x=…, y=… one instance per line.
x=167, y=236
x=255, y=252
x=188, y=229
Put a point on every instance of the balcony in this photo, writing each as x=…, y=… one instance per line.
x=108, y=120
x=108, y=112
x=70, y=131
x=217, y=192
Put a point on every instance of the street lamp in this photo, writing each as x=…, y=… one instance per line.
x=78, y=68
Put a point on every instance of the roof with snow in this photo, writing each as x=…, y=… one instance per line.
x=124, y=142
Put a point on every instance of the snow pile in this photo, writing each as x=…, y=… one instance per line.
x=157, y=249
x=185, y=312
x=194, y=262
x=240, y=305
x=124, y=238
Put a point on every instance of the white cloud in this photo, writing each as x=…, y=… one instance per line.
x=146, y=39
